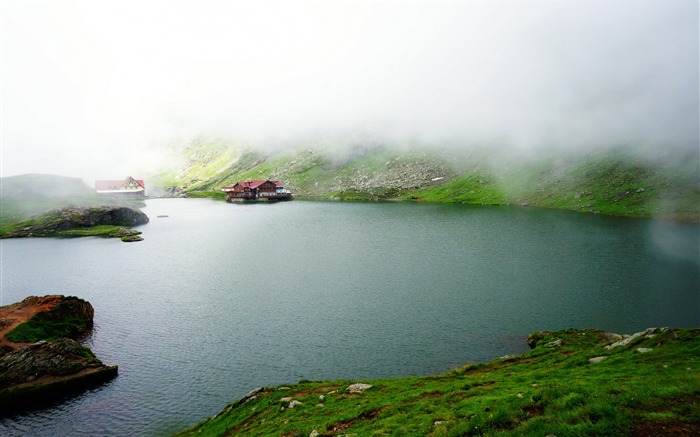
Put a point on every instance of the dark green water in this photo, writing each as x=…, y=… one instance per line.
x=223, y=298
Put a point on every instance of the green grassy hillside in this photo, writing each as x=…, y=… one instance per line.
x=613, y=181
x=25, y=195
x=572, y=383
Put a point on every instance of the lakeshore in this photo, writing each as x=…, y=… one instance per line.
x=572, y=382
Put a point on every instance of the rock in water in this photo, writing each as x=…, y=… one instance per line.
x=53, y=222
x=38, y=360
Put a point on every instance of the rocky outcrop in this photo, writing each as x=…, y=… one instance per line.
x=60, y=221
x=46, y=318
x=37, y=356
x=43, y=358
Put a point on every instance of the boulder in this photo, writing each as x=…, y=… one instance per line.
x=27, y=363
x=358, y=388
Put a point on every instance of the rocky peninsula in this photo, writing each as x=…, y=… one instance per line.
x=109, y=221
x=40, y=359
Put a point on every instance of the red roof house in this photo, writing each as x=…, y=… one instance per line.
x=128, y=187
x=259, y=189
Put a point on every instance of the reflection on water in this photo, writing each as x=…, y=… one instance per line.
x=219, y=298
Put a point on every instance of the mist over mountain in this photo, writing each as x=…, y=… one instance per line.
x=91, y=89
x=617, y=181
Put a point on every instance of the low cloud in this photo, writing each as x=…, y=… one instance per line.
x=94, y=89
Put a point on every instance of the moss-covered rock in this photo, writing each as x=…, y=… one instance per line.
x=103, y=221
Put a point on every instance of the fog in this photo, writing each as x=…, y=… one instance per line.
x=101, y=89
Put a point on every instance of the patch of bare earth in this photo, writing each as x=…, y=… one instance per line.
x=13, y=315
x=345, y=424
x=662, y=429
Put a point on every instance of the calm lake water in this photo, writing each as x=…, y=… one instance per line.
x=220, y=299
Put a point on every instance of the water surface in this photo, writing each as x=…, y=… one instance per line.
x=219, y=298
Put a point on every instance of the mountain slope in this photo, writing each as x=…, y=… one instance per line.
x=613, y=181
x=25, y=195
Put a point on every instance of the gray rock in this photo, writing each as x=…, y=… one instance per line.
x=643, y=350
x=634, y=337
x=62, y=357
x=555, y=343
x=597, y=359
x=358, y=388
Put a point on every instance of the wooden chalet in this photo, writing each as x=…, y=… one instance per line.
x=261, y=189
x=127, y=188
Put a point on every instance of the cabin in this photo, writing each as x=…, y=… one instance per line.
x=127, y=188
x=260, y=189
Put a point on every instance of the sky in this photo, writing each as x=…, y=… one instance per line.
x=98, y=89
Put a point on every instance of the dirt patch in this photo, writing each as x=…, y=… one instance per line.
x=345, y=424
x=660, y=429
x=248, y=422
x=13, y=315
x=431, y=394
x=533, y=410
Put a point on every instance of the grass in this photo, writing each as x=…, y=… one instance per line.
x=66, y=223
x=548, y=390
x=60, y=322
x=216, y=195
x=612, y=182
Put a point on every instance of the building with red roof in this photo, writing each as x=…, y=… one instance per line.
x=128, y=187
x=259, y=189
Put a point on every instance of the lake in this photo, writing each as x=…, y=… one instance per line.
x=219, y=298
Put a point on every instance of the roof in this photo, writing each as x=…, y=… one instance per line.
x=108, y=185
x=256, y=183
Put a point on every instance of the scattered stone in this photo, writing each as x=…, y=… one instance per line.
x=321, y=397
x=284, y=388
x=253, y=392
x=286, y=399
x=313, y=433
x=320, y=405
x=629, y=339
x=611, y=336
x=358, y=388
x=520, y=395
x=640, y=190
x=643, y=350
x=597, y=359
x=555, y=343
x=439, y=422
x=293, y=404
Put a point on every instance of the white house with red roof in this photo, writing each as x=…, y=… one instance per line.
x=129, y=187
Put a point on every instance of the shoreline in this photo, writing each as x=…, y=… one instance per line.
x=571, y=382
